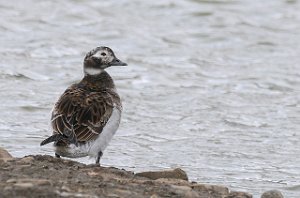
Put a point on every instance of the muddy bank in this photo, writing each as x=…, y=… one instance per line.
x=46, y=176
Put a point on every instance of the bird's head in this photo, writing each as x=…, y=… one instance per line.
x=99, y=59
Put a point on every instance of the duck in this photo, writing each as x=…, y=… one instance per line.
x=87, y=115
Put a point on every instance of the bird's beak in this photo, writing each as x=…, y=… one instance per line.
x=117, y=62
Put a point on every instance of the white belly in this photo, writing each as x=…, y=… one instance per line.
x=107, y=133
x=92, y=148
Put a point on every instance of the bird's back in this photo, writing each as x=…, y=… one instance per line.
x=83, y=110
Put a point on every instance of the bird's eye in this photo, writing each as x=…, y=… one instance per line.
x=103, y=54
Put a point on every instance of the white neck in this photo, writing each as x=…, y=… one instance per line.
x=92, y=71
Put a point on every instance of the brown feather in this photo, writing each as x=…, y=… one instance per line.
x=83, y=112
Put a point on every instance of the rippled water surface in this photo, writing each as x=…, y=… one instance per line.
x=212, y=86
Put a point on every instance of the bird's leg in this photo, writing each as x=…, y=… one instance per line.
x=56, y=155
x=98, y=157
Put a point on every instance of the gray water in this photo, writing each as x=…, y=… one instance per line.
x=212, y=86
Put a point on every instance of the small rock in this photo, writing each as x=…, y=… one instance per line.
x=272, y=194
x=93, y=173
x=173, y=181
x=65, y=188
x=36, y=182
x=212, y=189
x=11, y=181
x=7, y=188
x=175, y=173
x=191, y=194
x=234, y=194
x=24, y=185
x=26, y=160
x=154, y=196
x=181, y=188
x=42, y=182
x=184, y=191
x=124, y=193
x=4, y=155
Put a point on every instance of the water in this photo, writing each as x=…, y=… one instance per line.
x=211, y=86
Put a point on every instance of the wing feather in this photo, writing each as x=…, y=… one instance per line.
x=81, y=114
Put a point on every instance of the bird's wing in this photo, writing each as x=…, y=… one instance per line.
x=80, y=115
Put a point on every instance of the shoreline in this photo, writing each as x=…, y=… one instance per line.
x=47, y=176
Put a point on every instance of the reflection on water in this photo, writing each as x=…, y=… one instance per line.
x=212, y=86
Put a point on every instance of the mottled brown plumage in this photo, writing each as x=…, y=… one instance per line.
x=83, y=110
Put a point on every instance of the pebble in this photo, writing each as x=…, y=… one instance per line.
x=36, y=182
x=24, y=185
x=174, y=173
x=272, y=194
x=4, y=155
x=26, y=160
x=214, y=188
x=234, y=194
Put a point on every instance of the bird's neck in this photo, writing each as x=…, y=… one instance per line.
x=92, y=71
x=100, y=81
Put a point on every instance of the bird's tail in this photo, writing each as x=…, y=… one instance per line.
x=53, y=138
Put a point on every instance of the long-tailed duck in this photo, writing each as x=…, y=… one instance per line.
x=88, y=113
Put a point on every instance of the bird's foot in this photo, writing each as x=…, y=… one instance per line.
x=98, y=158
x=57, y=156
